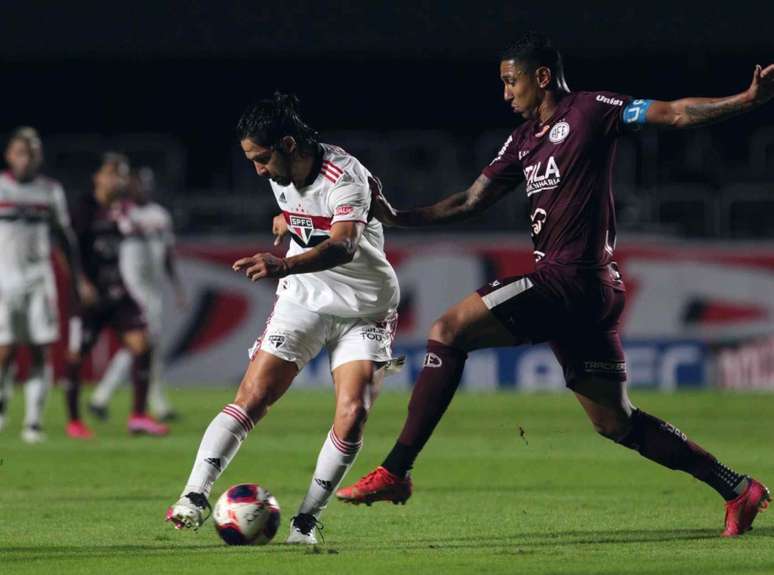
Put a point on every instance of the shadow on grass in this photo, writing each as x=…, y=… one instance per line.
x=24, y=553
x=568, y=538
x=516, y=543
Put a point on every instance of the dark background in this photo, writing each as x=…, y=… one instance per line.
x=187, y=69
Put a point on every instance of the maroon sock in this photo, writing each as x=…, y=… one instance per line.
x=141, y=365
x=432, y=394
x=663, y=443
x=73, y=390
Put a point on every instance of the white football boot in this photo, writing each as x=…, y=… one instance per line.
x=303, y=529
x=33, y=434
x=189, y=512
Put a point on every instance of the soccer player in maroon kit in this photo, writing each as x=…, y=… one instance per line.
x=101, y=224
x=574, y=298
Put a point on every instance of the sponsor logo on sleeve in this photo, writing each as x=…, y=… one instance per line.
x=344, y=210
x=607, y=100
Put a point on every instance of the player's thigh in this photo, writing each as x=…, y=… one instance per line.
x=42, y=314
x=136, y=341
x=13, y=319
x=293, y=333
x=471, y=325
x=510, y=311
x=266, y=379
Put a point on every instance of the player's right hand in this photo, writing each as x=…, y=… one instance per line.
x=381, y=209
x=279, y=227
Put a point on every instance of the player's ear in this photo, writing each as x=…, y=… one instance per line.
x=543, y=76
x=288, y=144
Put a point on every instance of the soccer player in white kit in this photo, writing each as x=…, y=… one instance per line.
x=32, y=208
x=336, y=291
x=146, y=258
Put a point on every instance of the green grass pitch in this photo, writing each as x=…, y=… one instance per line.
x=557, y=500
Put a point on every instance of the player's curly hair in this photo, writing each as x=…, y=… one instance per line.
x=534, y=50
x=27, y=134
x=270, y=120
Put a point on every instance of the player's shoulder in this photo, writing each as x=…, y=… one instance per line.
x=600, y=99
x=339, y=167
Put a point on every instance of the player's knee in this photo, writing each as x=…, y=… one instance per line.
x=612, y=428
x=446, y=330
x=256, y=397
x=352, y=413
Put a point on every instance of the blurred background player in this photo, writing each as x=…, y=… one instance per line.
x=32, y=208
x=337, y=291
x=575, y=297
x=147, y=256
x=101, y=225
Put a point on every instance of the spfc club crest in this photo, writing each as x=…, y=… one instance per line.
x=301, y=227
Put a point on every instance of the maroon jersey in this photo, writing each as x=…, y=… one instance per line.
x=567, y=164
x=100, y=231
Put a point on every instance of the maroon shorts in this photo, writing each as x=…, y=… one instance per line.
x=577, y=314
x=122, y=315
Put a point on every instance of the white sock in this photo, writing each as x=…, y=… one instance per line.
x=118, y=371
x=157, y=397
x=35, y=392
x=335, y=459
x=220, y=443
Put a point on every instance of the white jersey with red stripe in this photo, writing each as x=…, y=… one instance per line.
x=27, y=210
x=144, y=251
x=365, y=286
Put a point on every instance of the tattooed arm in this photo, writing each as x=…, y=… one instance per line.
x=693, y=112
x=455, y=208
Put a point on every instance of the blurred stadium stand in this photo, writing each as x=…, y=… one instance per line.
x=702, y=194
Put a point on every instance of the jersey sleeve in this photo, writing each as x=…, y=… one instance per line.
x=608, y=110
x=506, y=167
x=349, y=201
x=61, y=213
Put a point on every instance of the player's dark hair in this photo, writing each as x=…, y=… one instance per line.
x=270, y=120
x=535, y=50
x=112, y=157
x=27, y=134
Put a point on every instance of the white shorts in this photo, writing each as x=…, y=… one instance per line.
x=296, y=334
x=30, y=316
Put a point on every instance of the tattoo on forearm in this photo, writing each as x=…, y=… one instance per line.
x=708, y=112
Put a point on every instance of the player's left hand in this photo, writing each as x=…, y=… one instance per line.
x=762, y=88
x=262, y=266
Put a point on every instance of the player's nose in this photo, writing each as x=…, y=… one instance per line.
x=261, y=170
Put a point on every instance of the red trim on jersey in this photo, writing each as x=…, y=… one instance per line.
x=330, y=174
x=332, y=167
x=318, y=222
x=36, y=206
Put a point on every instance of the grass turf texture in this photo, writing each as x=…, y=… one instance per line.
x=558, y=499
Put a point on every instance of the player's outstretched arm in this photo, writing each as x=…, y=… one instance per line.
x=455, y=208
x=694, y=112
x=338, y=249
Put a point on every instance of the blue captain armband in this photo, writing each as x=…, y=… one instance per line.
x=636, y=112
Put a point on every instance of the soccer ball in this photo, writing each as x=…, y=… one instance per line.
x=246, y=514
